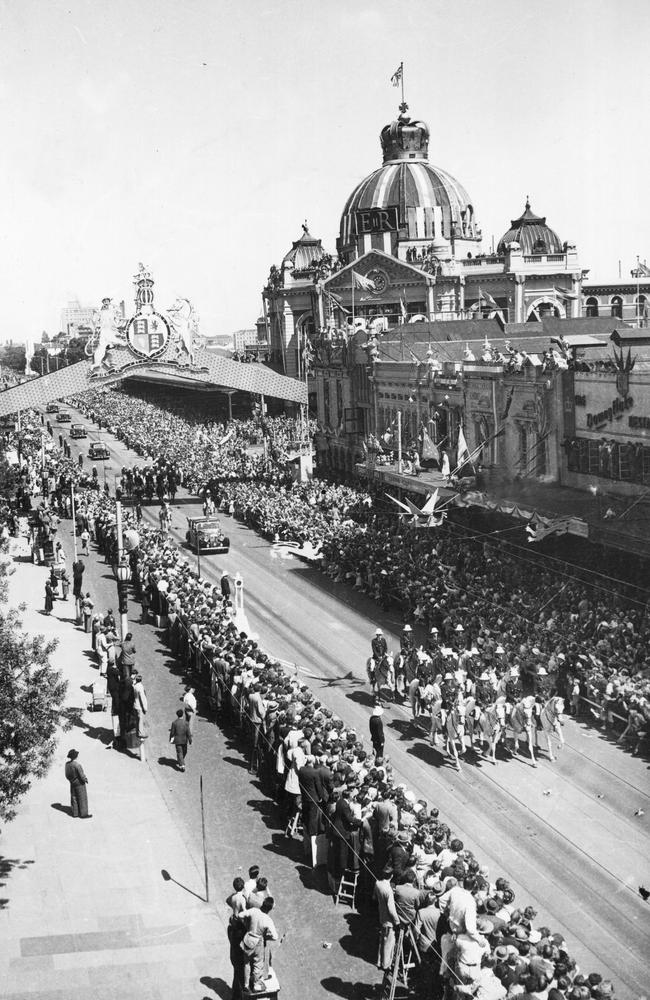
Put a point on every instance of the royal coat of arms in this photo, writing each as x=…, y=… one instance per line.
x=148, y=334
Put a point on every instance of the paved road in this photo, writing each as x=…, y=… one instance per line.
x=565, y=834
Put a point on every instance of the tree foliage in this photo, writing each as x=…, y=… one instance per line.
x=32, y=696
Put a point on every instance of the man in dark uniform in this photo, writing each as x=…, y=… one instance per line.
x=379, y=646
x=484, y=691
x=377, y=731
x=448, y=691
x=74, y=772
x=406, y=642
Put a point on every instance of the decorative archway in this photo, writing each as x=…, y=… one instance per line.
x=542, y=306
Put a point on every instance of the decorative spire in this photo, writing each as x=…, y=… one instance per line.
x=143, y=288
x=527, y=207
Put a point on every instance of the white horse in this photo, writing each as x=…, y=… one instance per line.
x=452, y=727
x=522, y=722
x=492, y=723
x=551, y=722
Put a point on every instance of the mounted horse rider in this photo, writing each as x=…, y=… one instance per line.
x=379, y=646
x=379, y=651
x=485, y=693
x=406, y=641
x=448, y=695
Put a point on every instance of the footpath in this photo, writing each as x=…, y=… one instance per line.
x=85, y=911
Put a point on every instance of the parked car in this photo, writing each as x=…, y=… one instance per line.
x=63, y=417
x=205, y=534
x=98, y=450
x=78, y=431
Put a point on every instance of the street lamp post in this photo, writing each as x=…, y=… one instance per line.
x=122, y=572
x=239, y=593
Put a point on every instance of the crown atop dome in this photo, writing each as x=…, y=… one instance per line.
x=405, y=139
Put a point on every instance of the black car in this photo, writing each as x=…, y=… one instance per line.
x=98, y=450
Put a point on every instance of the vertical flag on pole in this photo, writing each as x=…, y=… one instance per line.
x=462, y=454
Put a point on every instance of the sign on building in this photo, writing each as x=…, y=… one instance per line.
x=377, y=220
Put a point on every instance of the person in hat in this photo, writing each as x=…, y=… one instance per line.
x=406, y=641
x=379, y=646
x=377, y=730
x=74, y=772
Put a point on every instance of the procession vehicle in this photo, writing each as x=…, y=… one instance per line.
x=204, y=534
x=63, y=417
x=78, y=431
x=98, y=450
x=52, y=408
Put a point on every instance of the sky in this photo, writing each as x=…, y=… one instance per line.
x=197, y=137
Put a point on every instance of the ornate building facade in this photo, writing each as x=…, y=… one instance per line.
x=411, y=318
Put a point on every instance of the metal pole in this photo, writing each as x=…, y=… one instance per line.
x=205, y=855
x=74, y=525
x=124, y=618
x=198, y=553
x=399, y=442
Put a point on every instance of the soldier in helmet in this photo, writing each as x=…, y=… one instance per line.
x=379, y=646
x=484, y=690
x=406, y=641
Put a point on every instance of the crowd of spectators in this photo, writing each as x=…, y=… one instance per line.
x=585, y=631
x=475, y=936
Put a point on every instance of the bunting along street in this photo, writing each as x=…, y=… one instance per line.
x=565, y=834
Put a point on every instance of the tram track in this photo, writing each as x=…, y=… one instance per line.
x=601, y=916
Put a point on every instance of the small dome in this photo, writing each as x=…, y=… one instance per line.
x=532, y=234
x=300, y=259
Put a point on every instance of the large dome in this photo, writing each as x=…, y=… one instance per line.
x=430, y=203
x=532, y=234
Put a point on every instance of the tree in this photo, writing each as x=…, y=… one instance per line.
x=32, y=696
x=13, y=356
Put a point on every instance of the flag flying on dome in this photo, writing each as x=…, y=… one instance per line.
x=361, y=281
x=397, y=75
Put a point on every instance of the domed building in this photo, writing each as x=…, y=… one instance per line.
x=532, y=234
x=407, y=204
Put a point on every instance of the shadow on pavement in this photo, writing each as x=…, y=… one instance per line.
x=61, y=808
x=362, y=698
x=350, y=991
x=168, y=762
x=7, y=865
x=170, y=878
x=235, y=761
x=220, y=987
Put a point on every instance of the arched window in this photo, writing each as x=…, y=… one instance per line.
x=592, y=306
x=617, y=306
x=641, y=307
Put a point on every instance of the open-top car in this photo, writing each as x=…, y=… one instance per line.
x=63, y=417
x=78, y=431
x=98, y=450
x=205, y=535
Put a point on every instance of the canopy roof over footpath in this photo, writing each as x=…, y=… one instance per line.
x=208, y=371
x=449, y=340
